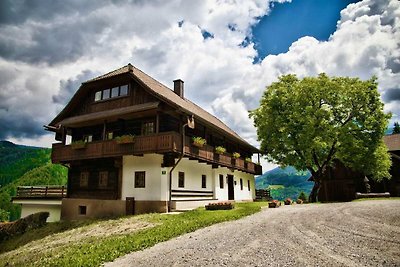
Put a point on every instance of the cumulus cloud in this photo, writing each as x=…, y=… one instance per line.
x=366, y=43
x=48, y=49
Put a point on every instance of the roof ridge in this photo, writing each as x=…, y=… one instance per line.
x=109, y=73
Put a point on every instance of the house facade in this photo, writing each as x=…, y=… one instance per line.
x=127, y=141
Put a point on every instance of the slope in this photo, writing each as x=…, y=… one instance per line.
x=285, y=182
x=23, y=165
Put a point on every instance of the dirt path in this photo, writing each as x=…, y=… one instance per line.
x=342, y=234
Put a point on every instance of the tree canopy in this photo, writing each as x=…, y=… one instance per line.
x=311, y=122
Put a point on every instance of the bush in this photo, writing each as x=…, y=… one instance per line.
x=4, y=215
x=20, y=226
x=303, y=196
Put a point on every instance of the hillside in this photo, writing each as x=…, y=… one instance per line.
x=23, y=165
x=15, y=160
x=286, y=182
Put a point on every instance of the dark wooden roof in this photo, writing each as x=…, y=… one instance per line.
x=392, y=142
x=163, y=93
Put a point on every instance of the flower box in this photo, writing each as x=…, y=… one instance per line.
x=125, y=139
x=220, y=150
x=288, y=201
x=198, y=141
x=220, y=206
x=274, y=204
x=78, y=145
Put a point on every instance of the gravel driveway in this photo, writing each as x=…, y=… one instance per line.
x=341, y=234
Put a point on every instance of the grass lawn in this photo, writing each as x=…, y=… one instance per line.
x=92, y=249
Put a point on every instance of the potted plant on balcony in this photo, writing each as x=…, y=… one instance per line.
x=220, y=150
x=198, y=141
x=80, y=144
x=236, y=155
x=248, y=160
x=125, y=139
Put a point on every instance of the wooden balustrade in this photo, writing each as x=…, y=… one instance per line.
x=41, y=192
x=157, y=143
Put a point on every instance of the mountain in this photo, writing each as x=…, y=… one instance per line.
x=15, y=160
x=285, y=182
x=24, y=165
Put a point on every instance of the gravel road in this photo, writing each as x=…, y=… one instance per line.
x=341, y=234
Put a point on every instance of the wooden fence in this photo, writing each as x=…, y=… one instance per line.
x=41, y=192
x=263, y=194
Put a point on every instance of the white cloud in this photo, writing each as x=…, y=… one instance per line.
x=42, y=57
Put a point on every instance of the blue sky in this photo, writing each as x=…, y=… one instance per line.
x=288, y=22
x=49, y=47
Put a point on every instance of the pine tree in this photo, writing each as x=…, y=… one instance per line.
x=396, y=128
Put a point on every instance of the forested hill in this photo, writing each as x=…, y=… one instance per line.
x=24, y=165
x=286, y=182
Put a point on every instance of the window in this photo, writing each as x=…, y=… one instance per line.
x=84, y=179
x=106, y=93
x=109, y=135
x=88, y=138
x=221, y=181
x=248, y=184
x=148, y=128
x=181, y=179
x=203, y=181
x=241, y=184
x=103, y=179
x=115, y=92
x=140, y=179
x=111, y=93
x=123, y=90
x=82, y=210
x=97, y=96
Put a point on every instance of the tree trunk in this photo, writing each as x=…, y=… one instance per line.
x=315, y=191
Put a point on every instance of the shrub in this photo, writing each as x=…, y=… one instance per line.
x=236, y=155
x=4, y=215
x=125, y=139
x=302, y=196
x=220, y=150
x=197, y=140
x=20, y=226
x=299, y=201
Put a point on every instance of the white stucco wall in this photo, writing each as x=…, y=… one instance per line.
x=193, y=172
x=156, y=183
x=245, y=194
x=29, y=207
x=157, y=179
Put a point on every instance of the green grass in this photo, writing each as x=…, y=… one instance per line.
x=95, y=250
x=39, y=233
x=276, y=186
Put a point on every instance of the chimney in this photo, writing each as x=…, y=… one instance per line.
x=178, y=87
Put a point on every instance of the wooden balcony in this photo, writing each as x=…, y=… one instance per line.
x=41, y=192
x=157, y=143
x=207, y=154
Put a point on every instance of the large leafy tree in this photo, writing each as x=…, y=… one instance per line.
x=312, y=122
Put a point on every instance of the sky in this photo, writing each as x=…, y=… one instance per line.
x=227, y=52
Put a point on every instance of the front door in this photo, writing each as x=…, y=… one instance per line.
x=231, y=188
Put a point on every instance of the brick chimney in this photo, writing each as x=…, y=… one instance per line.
x=178, y=87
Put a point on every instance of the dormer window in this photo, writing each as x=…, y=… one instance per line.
x=111, y=93
x=106, y=94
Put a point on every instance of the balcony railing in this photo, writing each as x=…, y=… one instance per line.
x=157, y=143
x=40, y=192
